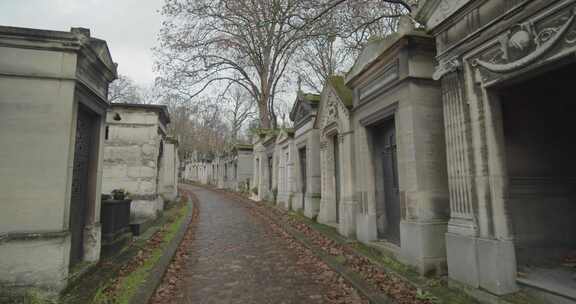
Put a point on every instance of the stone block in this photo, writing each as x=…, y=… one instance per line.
x=366, y=230
x=347, y=224
x=423, y=246
x=132, y=171
x=149, y=150
x=146, y=187
x=312, y=205
x=92, y=243
x=462, y=259
x=41, y=262
x=145, y=208
x=497, y=266
x=147, y=172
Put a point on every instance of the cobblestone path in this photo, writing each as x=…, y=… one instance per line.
x=235, y=258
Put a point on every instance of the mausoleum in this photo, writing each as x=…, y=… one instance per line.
x=307, y=154
x=53, y=102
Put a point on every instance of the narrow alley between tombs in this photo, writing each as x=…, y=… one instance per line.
x=236, y=257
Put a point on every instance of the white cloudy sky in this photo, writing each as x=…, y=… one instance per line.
x=129, y=26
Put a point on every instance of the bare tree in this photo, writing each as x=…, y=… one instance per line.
x=124, y=90
x=247, y=42
x=250, y=43
x=241, y=109
x=318, y=59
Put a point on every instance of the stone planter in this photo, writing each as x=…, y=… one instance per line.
x=115, y=219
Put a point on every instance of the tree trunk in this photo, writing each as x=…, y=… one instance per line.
x=263, y=113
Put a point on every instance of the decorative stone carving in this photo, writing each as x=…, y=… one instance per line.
x=526, y=43
x=446, y=67
x=444, y=10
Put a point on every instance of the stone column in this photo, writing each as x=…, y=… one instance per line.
x=347, y=226
x=312, y=195
x=326, y=214
x=476, y=254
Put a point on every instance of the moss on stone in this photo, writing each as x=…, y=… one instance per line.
x=341, y=89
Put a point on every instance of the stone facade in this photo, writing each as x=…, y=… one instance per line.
x=286, y=156
x=134, y=156
x=307, y=155
x=509, y=151
x=53, y=88
x=337, y=204
x=169, y=170
x=238, y=166
x=264, y=180
x=399, y=150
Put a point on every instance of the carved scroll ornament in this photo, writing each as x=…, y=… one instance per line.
x=446, y=67
x=524, y=45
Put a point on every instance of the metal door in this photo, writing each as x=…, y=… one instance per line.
x=270, y=167
x=391, y=189
x=337, y=179
x=79, y=194
x=303, y=175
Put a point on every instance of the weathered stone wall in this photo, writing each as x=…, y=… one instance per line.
x=132, y=155
x=40, y=95
x=308, y=138
x=169, y=165
x=285, y=152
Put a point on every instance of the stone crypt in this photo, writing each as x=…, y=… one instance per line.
x=307, y=157
x=400, y=176
x=53, y=102
x=337, y=204
x=134, y=155
x=507, y=71
x=286, y=155
x=265, y=165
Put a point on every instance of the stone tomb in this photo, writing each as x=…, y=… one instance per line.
x=400, y=161
x=133, y=155
x=286, y=155
x=53, y=101
x=507, y=68
x=238, y=167
x=337, y=205
x=307, y=157
x=265, y=165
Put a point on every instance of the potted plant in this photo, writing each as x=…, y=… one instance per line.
x=119, y=194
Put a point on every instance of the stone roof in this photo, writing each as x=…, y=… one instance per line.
x=345, y=94
x=77, y=39
x=162, y=110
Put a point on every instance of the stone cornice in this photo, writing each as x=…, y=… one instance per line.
x=77, y=41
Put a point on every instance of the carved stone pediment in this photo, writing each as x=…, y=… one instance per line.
x=528, y=43
x=333, y=111
x=434, y=12
x=303, y=109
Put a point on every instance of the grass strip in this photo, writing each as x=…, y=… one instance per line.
x=125, y=286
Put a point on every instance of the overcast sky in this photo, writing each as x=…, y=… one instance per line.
x=129, y=26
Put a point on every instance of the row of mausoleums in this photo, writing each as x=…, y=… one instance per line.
x=452, y=150
x=63, y=146
x=231, y=169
